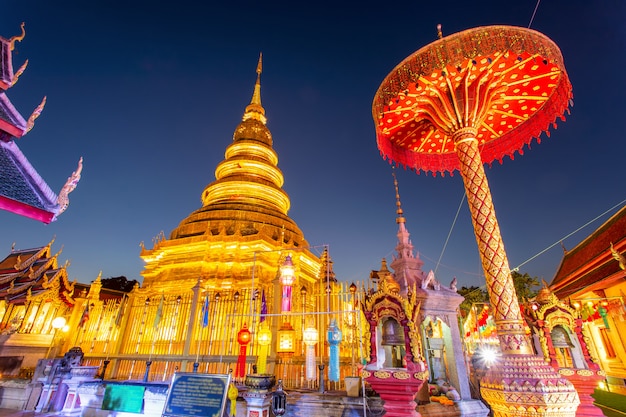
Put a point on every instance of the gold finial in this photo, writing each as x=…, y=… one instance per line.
x=399, y=212
x=439, y=32
x=19, y=72
x=62, y=200
x=255, y=110
x=618, y=257
x=17, y=38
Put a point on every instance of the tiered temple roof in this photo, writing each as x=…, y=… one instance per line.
x=22, y=190
x=592, y=264
x=34, y=273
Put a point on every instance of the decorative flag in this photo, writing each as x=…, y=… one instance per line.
x=232, y=394
x=85, y=317
x=159, y=313
x=205, y=311
x=263, y=308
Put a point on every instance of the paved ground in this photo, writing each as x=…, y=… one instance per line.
x=7, y=412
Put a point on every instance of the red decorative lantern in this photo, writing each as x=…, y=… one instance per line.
x=243, y=337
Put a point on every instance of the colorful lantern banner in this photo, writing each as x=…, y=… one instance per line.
x=243, y=337
x=264, y=339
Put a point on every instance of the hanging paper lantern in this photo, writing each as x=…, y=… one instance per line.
x=334, y=338
x=243, y=337
x=287, y=277
x=310, y=337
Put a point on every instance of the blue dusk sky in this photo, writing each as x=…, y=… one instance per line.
x=150, y=92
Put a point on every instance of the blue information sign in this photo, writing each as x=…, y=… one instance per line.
x=193, y=394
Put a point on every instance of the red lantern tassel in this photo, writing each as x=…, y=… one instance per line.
x=240, y=371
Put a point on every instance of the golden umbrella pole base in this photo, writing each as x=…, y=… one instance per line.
x=526, y=385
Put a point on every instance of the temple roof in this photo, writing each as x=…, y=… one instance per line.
x=31, y=273
x=591, y=265
x=22, y=190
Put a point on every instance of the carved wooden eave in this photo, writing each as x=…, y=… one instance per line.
x=10, y=277
x=52, y=278
x=69, y=286
x=43, y=294
x=550, y=306
x=43, y=252
x=20, y=288
x=49, y=264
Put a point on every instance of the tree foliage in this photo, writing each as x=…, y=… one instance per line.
x=525, y=288
x=472, y=296
x=119, y=284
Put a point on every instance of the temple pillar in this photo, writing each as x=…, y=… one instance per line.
x=191, y=325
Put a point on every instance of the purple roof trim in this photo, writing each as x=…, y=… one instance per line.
x=20, y=182
x=9, y=114
x=6, y=64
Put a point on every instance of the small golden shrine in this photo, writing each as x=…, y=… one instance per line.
x=396, y=369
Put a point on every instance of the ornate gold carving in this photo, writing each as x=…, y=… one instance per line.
x=17, y=38
x=382, y=374
x=36, y=113
x=421, y=375
x=71, y=183
x=401, y=375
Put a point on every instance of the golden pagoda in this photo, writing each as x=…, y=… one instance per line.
x=242, y=231
x=221, y=270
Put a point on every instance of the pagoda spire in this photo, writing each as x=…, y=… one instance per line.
x=327, y=273
x=407, y=265
x=255, y=109
x=399, y=212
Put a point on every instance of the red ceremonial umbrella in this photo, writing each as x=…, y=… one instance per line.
x=468, y=99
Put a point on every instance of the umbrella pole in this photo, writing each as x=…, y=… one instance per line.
x=502, y=296
x=534, y=379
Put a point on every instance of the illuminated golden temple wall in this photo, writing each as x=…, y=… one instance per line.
x=128, y=333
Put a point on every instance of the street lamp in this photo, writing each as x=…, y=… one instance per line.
x=57, y=323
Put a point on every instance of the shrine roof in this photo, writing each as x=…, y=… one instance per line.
x=591, y=261
x=7, y=265
x=22, y=190
x=11, y=121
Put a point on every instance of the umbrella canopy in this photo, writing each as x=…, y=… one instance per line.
x=507, y=83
